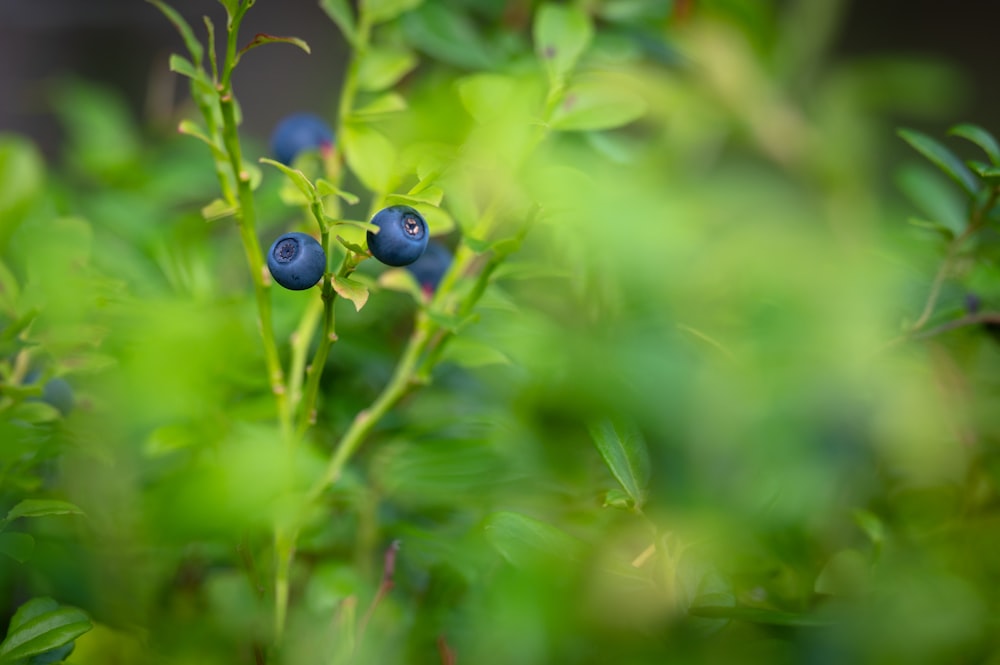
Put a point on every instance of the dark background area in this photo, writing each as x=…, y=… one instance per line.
x=125, y=44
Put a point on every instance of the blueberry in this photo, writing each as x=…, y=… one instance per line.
x=296, y=261
x=298, y=132
x=402, y=236
x=56, y=392
x=431, y=266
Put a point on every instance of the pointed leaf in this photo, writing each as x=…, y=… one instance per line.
x=981, y=138
x=40, y=628
x=447, y=35
x=941, y=157
x=354, y=291
x=370, y=155
x=380, y=11
x=194, y=46
x=597, y=106
x=624, y=451
x=934, y=197
x=340, y=13
x=297, y=177
x=184, y=67
x=42, y=508
x=262, y=38
x=327, y=188
x=382, y=67
x=524, y=541
x=562, y=33
x=218, y=209
x=390, y=102
x=429, y=195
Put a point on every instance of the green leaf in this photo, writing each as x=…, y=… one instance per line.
x=18, y=546
x=326, y=188
x=297, y=177
x=466, y=352
x=194, y=46
x=430, y=196
x=42, y=508
x=981, y=138
x=184, y=67
x=370, y=155
x=218, y=209
x=380, y=11
x=624, y=451
x=382, y=67
x=846, y=573
x=486, y=96
x=933, y=196
x=439, y=222
x=390, y=102
x=39, y=626
x=589, y=106
x=352, y=246
x=562, y=33
x=402, y=280
x=340, y=13
x=943, y=158
x=350, y=289
x=525, y=542
x=356, y=223
x=262, y=38
x=985, y=171
x=447, y=35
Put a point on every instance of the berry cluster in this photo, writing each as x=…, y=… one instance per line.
x=298, y=262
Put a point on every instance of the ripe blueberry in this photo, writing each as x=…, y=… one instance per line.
x=298, y=132
x=56, y=392
x=296, y=261
x=431, y=266
x=402, y=236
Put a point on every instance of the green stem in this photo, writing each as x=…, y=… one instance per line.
x=400, y=383
x=301, y=339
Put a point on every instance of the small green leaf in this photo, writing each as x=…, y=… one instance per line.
x=589, y=106
x=402, y=280
x=184, y=67
x=934, y=197
x=447, y=35
x=439, y=222
x=356, y=223
x=624, y=451
x=350, y=289
x=941, y=157
x=486, y=96
x=562, y=33
x=340, y=13
x=297, y=177
x=846, y=573
x=38, y=626
x=218, y=209
x=326, y=188
x=262, y=38
x=382, y=67
x=42, y=508
x=618, y=498
x=985, y=171
x=429, y=196
x=18, y=546
x=352, y=246
x=194, y=46
x=390, y=102
x=981, y=138
x=380, y=11
x=370, y=155
x=525, y=542
x=466, y=352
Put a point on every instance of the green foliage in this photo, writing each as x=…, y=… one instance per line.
x=689, y=391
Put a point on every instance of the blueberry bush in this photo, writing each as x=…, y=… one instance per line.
x=585, y=332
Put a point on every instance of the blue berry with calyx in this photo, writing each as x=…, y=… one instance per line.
x=402, y=236
x=296, y=261
x=297, y=133
x=431, y=266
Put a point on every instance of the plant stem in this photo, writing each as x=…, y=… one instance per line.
x=400, y=383
x=977, y=220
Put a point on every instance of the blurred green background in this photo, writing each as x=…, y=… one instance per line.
x=682, y=429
